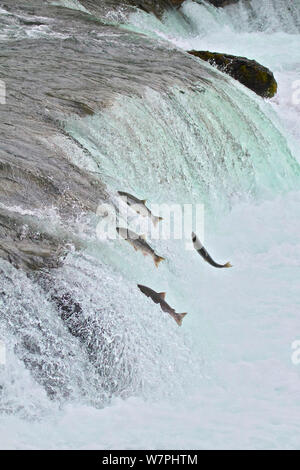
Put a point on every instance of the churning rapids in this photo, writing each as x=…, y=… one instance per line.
x=101, y=98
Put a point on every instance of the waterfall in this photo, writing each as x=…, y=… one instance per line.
x=90, y=360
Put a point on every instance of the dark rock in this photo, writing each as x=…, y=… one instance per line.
x=248, y=72
x=222, y=3
x=155, y=6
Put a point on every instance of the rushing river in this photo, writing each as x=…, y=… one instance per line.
x=100, y=101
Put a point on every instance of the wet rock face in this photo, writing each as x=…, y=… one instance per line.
x=24, y=246
x=157, y=7
x=156, y=4
x=248, y=72
x=222, y=3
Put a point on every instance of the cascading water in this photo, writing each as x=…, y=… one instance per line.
x=265, y=31
x=91, y=362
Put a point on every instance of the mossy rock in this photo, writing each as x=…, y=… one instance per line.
x=248, y=72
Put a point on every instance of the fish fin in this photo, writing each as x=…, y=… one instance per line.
x=228, y=265
x=157, y=260
x=155, y=220
x=162, y=295
x=144, y=201
x=180, y=317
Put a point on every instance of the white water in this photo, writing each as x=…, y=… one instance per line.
x=225, y=379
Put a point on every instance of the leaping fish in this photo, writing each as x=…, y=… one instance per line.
x=139, y=243
x=205, y=255
x=139, y=205
x=159, y=298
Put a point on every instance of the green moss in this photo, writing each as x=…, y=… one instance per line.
x=249, y=72
x=262, y=76
x=245, y=72
x=272, y=89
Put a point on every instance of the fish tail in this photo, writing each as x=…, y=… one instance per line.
x=228, y=265
x=180, y=317
x=157, y=260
